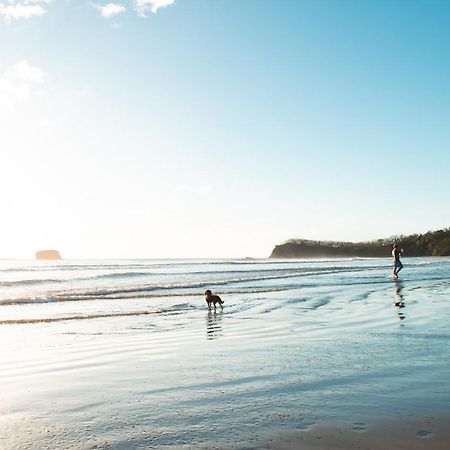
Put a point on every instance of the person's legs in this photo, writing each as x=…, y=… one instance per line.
x=397, y=267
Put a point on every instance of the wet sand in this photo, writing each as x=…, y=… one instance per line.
x=25, y=432
x=424, y=434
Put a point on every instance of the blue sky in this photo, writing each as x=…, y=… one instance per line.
x=219, y=128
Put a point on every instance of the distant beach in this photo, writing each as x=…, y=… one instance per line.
x=310, y=354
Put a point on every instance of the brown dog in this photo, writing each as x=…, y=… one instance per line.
x=210, y=298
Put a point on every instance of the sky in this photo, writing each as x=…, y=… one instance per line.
x=220, y=128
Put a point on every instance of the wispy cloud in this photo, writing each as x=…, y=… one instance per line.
x=144, y=6
x=20, y=82
x=110, y=9
x=22, y=9
x=13, y=10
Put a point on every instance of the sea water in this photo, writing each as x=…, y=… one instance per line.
x=125, y=354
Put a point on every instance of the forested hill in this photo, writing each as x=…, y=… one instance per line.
x=433, y=243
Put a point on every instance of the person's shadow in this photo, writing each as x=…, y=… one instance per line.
x=399, y=299
x=214, y=324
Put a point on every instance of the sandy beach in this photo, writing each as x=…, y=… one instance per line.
x=305, y=354
x=431, y=433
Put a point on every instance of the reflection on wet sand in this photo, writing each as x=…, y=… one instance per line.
x=214, y=324
x=399, y=298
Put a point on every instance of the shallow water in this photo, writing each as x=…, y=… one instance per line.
x=125, y=354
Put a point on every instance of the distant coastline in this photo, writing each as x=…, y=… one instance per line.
x=433, y=243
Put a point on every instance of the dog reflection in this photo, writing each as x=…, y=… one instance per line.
x=214, y=324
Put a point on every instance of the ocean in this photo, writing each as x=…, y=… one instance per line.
x=125, y=354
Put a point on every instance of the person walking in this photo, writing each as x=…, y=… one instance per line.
x=396, y=258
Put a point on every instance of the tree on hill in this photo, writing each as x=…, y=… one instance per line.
x=433, y=243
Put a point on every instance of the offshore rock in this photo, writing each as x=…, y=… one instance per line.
x=48, y=254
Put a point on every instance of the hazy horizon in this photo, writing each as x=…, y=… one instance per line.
x=214, y=257
x=216, y=129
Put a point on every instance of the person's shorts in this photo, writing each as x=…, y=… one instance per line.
x=398, y=265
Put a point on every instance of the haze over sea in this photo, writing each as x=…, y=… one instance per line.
x=125, y=354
